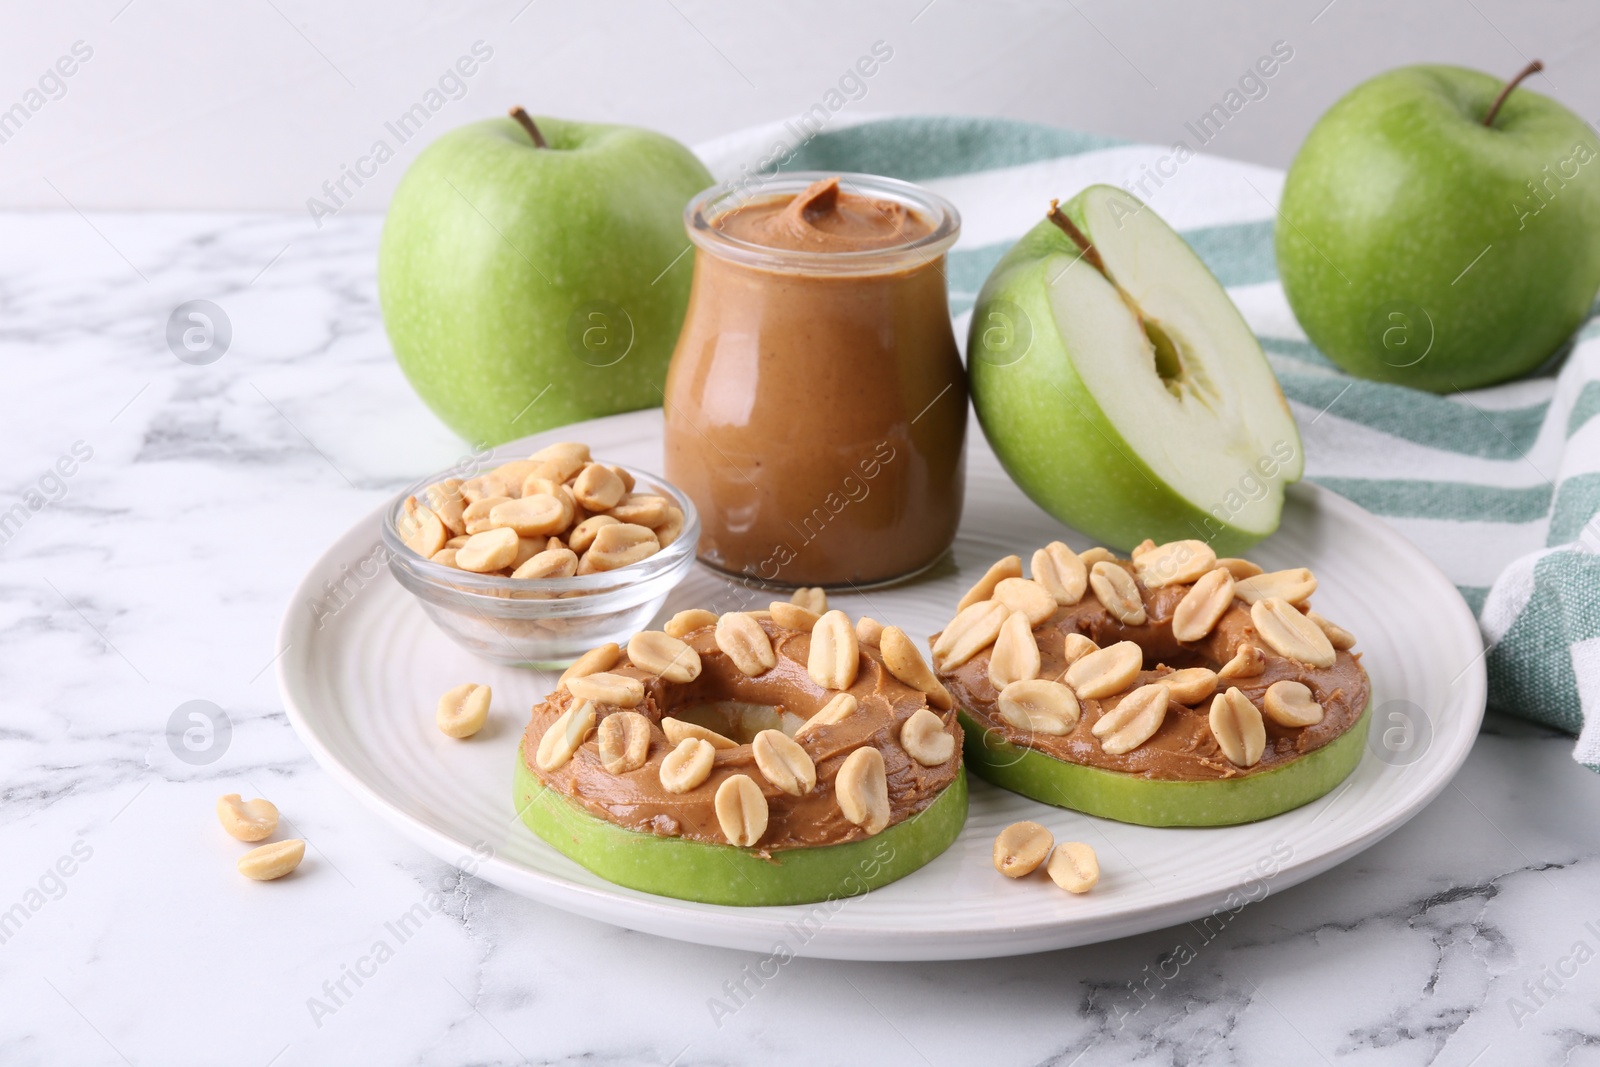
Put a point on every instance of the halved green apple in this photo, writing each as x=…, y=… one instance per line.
x=1154, y=802
x=724, y=874
x=1122, y=389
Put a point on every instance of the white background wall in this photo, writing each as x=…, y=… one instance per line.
x=252, y=104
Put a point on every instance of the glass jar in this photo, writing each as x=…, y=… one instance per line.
x=816, y=405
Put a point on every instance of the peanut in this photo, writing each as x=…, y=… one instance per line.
x=1134, y=720
x=678, y=731
x=869, y=632
x=551, y=563
x=1203, y=606
x=1016, y=654
x=1239, y=568
x=670, y=528
x=863, y=789
x=619, y=545
x=1077, y=646
x=1248, y=661
x=600, y=658
x=1105, y=671
x=1173, y=563
x=566, y=458
x=624, y=741
x=687, y=765
x=973, y=629
x=1191, y=685
x=742, y=640
x=605, y=687
x=1338, y=636
x=1295, y=586
x=1289, y=703
x=1021, y=847
x=272, y=861
x=420, y=529
x=476, y=515
x=792, y=616
x=1061, y=572
x=1116, y=589
x=598, y=488
x=1290, y=633
x=686, y=622
x=1009, y=567
x=835, y=711
x=582, y=536
x=835, y=655
x=445, y=500
x=1039, y=706
x=247, y=820
x=784, y=763
x=813, y=598
x=1237, y=726
x=925, y=739
x=741, y=810
x=904, y=662
x=1026, y=596
x=563, y=737
x=642, y=509
x=463, y=710
x=488, y=551
x=664, y=656
x=1074, y=867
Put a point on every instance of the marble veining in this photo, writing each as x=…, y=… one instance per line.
x=154, y=574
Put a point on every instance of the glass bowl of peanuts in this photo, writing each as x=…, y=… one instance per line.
x=532, y=562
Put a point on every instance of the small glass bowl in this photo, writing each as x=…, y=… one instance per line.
x=542, y=622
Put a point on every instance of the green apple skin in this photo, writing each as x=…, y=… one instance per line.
x=724, y=874
x=497, y=255
x=1400, y=187
x=1051, y=436
x=1148, y=802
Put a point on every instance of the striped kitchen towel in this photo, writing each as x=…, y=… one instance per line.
x=1500, y=486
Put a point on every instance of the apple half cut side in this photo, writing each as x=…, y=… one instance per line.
x=724, y=874
x=1121, y=388
x=1131, y=798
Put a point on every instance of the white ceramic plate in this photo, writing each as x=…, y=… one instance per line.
x=362, y=688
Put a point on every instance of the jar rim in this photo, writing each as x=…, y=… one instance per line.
x=707, y=206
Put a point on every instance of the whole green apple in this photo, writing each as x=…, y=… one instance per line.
x=1421, y=245
x=1121, y=388
x=534, y=274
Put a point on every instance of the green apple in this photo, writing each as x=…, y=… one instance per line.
x=1149, y=802
x=1419, y=244
x=723, y=874
x=1121, y=388
x=529, y=285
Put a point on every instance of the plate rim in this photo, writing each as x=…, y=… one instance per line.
x=740, y=927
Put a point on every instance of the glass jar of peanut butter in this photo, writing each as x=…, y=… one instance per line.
x=816, y=405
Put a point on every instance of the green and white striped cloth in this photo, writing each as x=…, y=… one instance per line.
x=1500, y=487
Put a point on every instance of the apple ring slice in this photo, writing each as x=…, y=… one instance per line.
x=1120, y=759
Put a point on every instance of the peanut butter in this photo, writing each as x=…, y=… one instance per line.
x=816, y=402
x=637, y=800
x=1183, y=749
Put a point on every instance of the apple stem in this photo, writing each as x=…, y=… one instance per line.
x=527, y=123
x=1079, y=238
x=1494, y=109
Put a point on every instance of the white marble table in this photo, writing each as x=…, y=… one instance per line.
x=155, y=573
